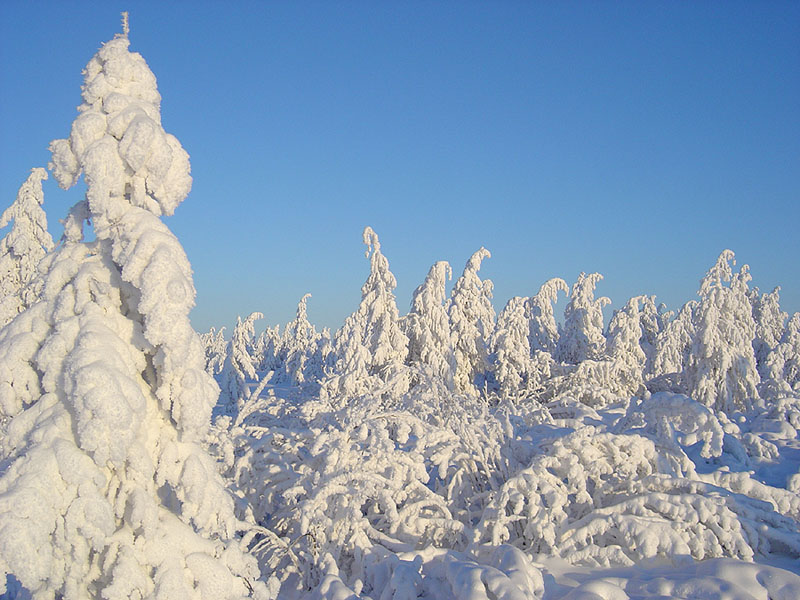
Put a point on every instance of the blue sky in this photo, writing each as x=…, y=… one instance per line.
x=633, y=139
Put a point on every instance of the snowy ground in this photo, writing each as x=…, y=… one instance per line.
x=342, y=475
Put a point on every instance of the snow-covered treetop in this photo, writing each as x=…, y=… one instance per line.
x=118, y=142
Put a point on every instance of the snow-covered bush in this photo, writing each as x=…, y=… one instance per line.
x=23, y=246
x=107, y=490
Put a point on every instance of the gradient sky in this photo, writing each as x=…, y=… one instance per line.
x=633, y=139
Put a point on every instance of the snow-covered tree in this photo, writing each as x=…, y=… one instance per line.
x=300, y=342
x=674, y=342
x=471, y=323
x=512, y=364
x=23, y=246
x=769, y=319
x=721, y=368
x=267, y=351
x=624, y=346
x=107, y=489
x=543, y=327
x=370, y=344
x=239, y=366
x=215, y=350
x=783, y=362
x=652, y=320
x=582, y=334
x=428, y=326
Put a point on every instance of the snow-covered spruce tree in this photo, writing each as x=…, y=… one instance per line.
x=543, y=327
x=624, y=347
x=673, y=345
x=215, y=350
x=512, y=366
x=370, y=347
x=471, y=323
x=783, y=362
x=300, y=343
x=428, y=326
x=238, y=367
x=721, y=368
x=769, y=319
x=582, y=335
x=652, y=320
x=107, y=490
x=267, y=351
x=23, y=246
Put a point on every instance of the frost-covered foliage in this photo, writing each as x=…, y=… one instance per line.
x=516, y=369
x=305, y=350
x=427, y=326
x=770, y=320
x=653, y=320
x=582, y=334
x=239, y=367
x=721, y=367
x=674, y=343
x=783, y=362
x=23, y=246
x=107, y=490
x=471, y=323
x=370, y=345
x=216, y=350
x=543, y=327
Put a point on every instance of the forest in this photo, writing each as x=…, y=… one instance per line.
x=450, y=452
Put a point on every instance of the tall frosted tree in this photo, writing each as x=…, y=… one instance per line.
x=624, y=347
x=300, y=340
x=582, y=335
x=107, y=490
x=769, y=320
x=652, y=320
x=472, y=319
x=370, y=345
x=216, y=350
x=428, y=326
x=239, y=365
x=783, y=362
x=674, y=342
x=511, y=351
x=543, y=327
x=24, y=245
x=721, y=368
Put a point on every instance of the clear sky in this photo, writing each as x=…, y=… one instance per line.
x=636, y=139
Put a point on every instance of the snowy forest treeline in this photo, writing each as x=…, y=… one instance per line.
x=731, y=350
x=448, y=453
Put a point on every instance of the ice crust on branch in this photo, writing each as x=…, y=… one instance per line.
x=105, y=394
